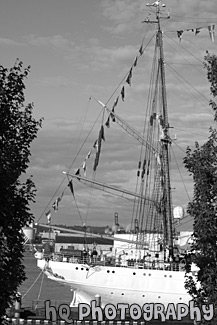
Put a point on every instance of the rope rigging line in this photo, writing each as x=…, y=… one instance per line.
x=187, y=131
x=186, y=81
x=149, y=107
x=200, y=62
x=174, y=142
x=42, y=214
x=32, y=284
x=207, y=18
x=186, y=191
x=207, y=107
x=55, y=193
x=39, y=293
x=94, y=172
x=137, y=202
x=155, y=104
x=104, y=190
x=123, y=79
x=184, y=223
x=76, y=205
x=199, y=23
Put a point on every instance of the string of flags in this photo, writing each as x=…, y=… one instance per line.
x=98, y=142
x=101, y=136
x=48, y=215
x=211, y=30
x=123, y=91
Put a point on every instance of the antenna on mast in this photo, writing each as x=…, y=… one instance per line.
x=157, y=5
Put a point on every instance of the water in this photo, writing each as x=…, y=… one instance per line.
x=43, y=289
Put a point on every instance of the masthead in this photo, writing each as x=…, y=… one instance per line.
x=157, y=5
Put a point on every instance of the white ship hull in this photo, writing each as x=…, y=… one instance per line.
x=118, y=284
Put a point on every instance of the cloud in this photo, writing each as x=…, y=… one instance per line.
x=203, y=8
x=55, y=41
x=126, y=15
x=106, y=58
x=85, y=55
x=10, y=42
x=192, y=117
x=57, y=81
x=122, y=14
x=59, y=140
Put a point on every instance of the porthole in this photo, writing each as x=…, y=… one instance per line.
x=76, y=268
x=144, y=273
x=165, y=275
x=87, y=269
x=170, y=276
x=122, y=294
x=108, y=271
x=143, y=295
x=113, y=271
x=159, y=296
x=134, y=273
x=149, y=274
x=82, y=268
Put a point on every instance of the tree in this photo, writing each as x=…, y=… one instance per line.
x=18, y=128
x=202, y=165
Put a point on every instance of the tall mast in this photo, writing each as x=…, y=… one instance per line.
x=165, y=142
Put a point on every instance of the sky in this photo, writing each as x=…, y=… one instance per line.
x=82, y=49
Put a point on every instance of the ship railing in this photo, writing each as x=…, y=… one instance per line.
x=139, y=264
x=156, y=265
x=79, y=259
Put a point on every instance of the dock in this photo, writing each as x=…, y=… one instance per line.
x=37, y=317
x=20, y=321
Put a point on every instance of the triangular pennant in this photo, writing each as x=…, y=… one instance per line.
x=88, y=155
x=211, y=30
x=70, y=185
x=107, y=123
x=128, y=80
x=115, y=103
x=77, y=173
x=197, y=30
x=135, y=62
x=48, y=215
x=61, y=196
x=179, y=34
x=122, y=93
x=99, y=141
x=102, y=133
x=84, y=166
x=95, y=145
x=112, y=115
x=55, y=205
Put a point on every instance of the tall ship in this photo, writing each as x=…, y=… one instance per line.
x=148, y=266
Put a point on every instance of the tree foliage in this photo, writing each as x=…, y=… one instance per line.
x=202, y=165
x=17, y=131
